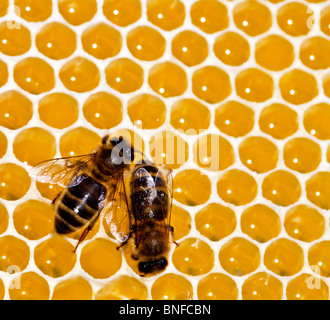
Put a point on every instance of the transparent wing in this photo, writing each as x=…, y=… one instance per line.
x=62, y=171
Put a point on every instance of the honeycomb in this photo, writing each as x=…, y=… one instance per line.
x=237, y=91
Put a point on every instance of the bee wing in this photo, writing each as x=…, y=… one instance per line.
x=62, y=171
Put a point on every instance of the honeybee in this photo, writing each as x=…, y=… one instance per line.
x=135, y=198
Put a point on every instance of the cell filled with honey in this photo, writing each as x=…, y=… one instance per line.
x=48, y=191
x=34, y=219
x=239, y=256
x=80, y=75
x=146, y=43
x=34, y=145
x=231, y=48
x=76, y=288
x=237, y=187
x=103, y=110
x=2, y=290
x=190, y=48
x=262, y=286
x=326, y=85
x=206, y=82
x=3, y=144
x=191, y=187
x=33, y=10
x=58, y=110
x=217, y=286
x=77, y=12
x=254, y=85
x=166, y=14
x=318, y=258
x=193, y=257
x=15, y=38
x=4, y=218
x=56, y=41
x=261, y=223
x=172, y=286
x=3, y=73
x=210, y=16
x=77, y=234
x=34, y=75
x=281, y=187
x=252, y=17
x=180, y=221
x=284, y=257
x=316, y=119
x=213, y=152
x=101, y=40
x=14, y=181
x=55, y=257
x=314, y=53
x=215, y=221
x=325, y=20
x=3, y=8
x=302, y=155
x=317, y=189
x=278, y=120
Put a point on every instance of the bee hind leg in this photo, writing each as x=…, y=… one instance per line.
x=172, y=232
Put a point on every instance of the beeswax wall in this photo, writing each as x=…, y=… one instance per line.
x=246, y=81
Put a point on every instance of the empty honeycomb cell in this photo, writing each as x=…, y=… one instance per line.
x=100, y=258
x=193, y=257
x=34, y=145
x=191, y=187
x=215, y=221
x=123, y=288
x=284, y=257
x=56, y=41
x=76, y=288
x=3, y=12
x=3, y=73
x=209, y=15
x=316, y=120
x=278, y=120
x=298, y=87
x=281, y=187
x=254, y=85
x=146, y=111
x=180, y=221
x=231, y=48
x=146, y=43
x=239, y=256
x=167, y=148
x=55, y=257
x=15, y=38
x=325, y=20
x=14, y=181
x=261, y=223
x=78, y=141
x=295, y=18
x=15, y=109
x=319, y=258
x=29, y=286
x=172, y=286
x=34, y=75
x=237, y=187
x=124, y=75
x=206, y=82
x=217, y=286
x=190, y=48
x=234, y=118
x=58, y=110
x=307, y=287
x=77, y=12
x=258, y=154
x=14, y=254
x=167, y=79
x=318, y=189
x=3, y=144
x=103, y=110
x=214, y=153
x=302, y=155
x=274, y=53
x=304, y=223
x=33, y=10
x=48, y=191
x=79, y=75
x=252, y=17
x=34, y=219
x=4, y=218
x=101, y=41
x=262, y=286
x=2, y=286
x=314, y=53
x=166, y=14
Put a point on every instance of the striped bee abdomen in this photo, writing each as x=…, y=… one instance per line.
x=79, y=204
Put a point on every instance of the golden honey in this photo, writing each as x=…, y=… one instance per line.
x=2, y=290
x=316, y=120
x=317, y=189
x=3, y=8
x=4, y=218
x=318, y=258
x=325, y=20
x=3, y=73
x=33, y=11
x=180, y=221
x=76, y=288
x=3, y=144
x=314, y=53
x=48, y=191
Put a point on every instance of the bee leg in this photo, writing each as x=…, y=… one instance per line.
x=172, y=232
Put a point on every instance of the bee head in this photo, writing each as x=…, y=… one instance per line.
x=155, y=266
